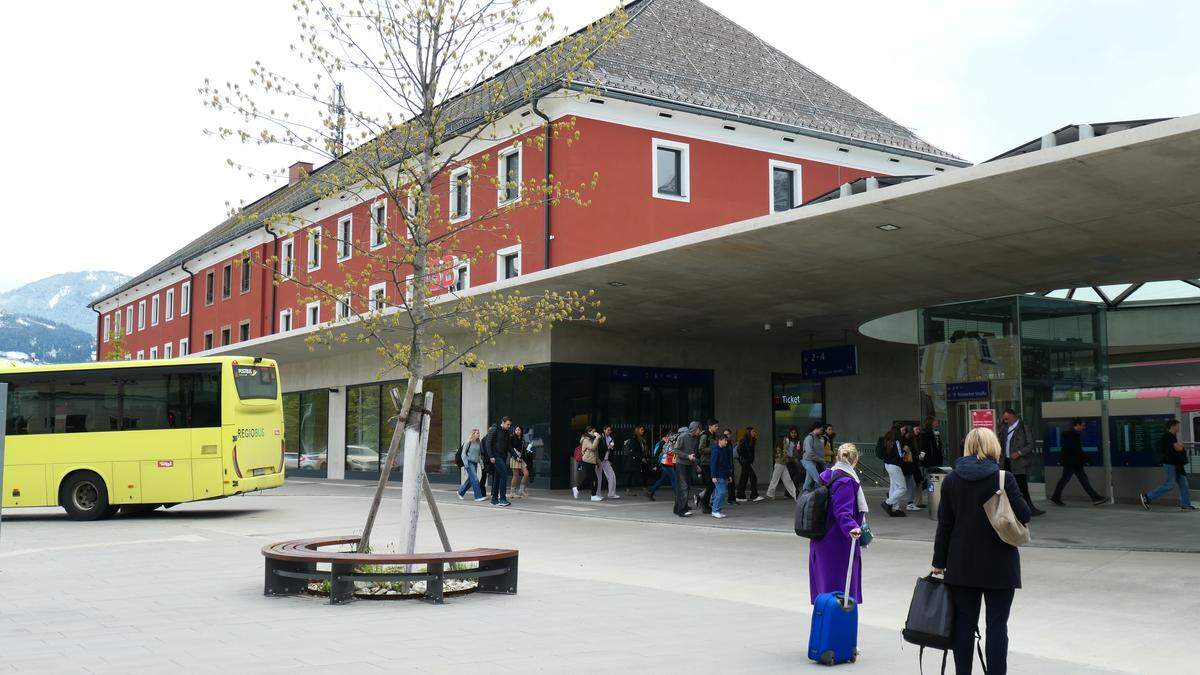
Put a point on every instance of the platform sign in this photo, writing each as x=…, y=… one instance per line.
x=983, y=419
x=829, y=362
x=968, y=391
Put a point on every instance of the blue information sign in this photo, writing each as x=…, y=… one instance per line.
x=829, y=362
x=967, y=391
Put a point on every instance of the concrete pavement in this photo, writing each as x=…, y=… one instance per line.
x=620, y=587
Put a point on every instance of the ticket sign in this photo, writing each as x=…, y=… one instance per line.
x=983, y=419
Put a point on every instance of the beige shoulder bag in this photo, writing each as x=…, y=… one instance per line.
x=1004, y=521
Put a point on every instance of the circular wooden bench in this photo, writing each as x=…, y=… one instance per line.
x=292, y=565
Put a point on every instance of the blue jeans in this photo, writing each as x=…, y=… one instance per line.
x=720, y=492
x=472, y=481
x=500, y=489
x=812, y=474
x=1174, y=479
x=667, y=477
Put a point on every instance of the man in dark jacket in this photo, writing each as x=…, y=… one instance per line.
x=498, y=445
x=745, y=457
x=1073, y=461
x=707, y=442
x=1017, y=444
x=931, y=443
x=721, y=470
x=978, y=565
x=686, y=447
x=1174, y=461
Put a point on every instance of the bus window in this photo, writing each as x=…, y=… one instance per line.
x=87, y=401
x=255, y=382
x=30, y=407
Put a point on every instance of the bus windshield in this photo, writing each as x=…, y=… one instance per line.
x=255, y=382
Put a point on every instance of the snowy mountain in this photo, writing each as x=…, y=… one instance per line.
x=62, y=298
x=35, y=340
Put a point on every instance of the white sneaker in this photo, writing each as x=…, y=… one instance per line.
x=575, y=493
x=911, y=507
x=718, y=515
x=758, y=498
x=614, y=496
x=686, y=514
x=461, y=496
x=481, y=499
x=597, y=498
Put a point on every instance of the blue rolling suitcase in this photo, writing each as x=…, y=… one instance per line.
x=833, y=638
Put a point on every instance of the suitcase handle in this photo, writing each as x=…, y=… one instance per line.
x=849, y=573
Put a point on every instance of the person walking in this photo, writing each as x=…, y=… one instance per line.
x=1174, y=459
x=784, y=451
x=913, y=480
x=516, y=463
x=587, y=467
x=721, y=470
x=686, y=447
x=731, y=496
x=827, y=437
x=893, y=453
x=635, y=459
x=1019, y=444
x=812, y=457
x=829, y=556
x=745, y=458
x=930, y=446
x=1073, y=461
x=471, y=457
x=499, y=443
x=604, y=470
x=664, y=459
x=978, y=566
x=706, y=441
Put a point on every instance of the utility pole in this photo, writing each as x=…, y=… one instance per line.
x=337, y=110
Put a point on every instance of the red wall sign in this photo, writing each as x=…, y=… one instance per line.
x=983, y=419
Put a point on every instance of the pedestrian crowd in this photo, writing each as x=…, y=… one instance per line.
x=500, y=457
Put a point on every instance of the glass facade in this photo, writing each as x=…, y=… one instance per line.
x=306, y=432
x=369, y=427
x=556, y=402
x=1015, y=352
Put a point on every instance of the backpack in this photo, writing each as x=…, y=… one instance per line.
x=579, y=453
x=458, y=456
x=812, y=509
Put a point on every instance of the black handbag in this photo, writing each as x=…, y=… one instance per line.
x=930, y=621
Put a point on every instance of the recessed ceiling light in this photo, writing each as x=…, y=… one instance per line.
x=616, y=284
x=888, y=227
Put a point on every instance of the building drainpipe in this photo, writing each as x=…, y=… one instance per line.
x=191, y=305
x=546, y=168
x=99, y=335
x=274, y=276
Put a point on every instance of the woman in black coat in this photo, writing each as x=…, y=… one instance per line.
x=977, y=564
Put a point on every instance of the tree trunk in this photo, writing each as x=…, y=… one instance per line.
x=414, y=471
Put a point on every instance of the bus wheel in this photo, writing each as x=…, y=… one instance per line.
x=138, y=509
x=85, y=497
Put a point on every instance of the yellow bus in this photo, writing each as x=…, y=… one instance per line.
x=135, y=435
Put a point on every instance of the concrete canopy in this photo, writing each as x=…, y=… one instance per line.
x=1123, y=207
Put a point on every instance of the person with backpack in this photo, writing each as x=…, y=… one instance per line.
x=845, y=516
x=664, y=457
x=978, y=566
x=784, y=451
x=468, y=457
x=745, y=457
x=1173, y=456
x=687, y=445
x=589, y=458
x=721, y=470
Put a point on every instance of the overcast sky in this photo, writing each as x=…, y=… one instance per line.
x=107, y=166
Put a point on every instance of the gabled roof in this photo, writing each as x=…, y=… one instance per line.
x=679, y=53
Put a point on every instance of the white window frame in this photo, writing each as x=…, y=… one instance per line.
x=501, y=255
x=311, y=317
x=502, y=157
x=454, y=182
x=141, y=355
x=374, y=290
x=169, y=305
x=128, y=319
x=155, y=304
x=377, y=227
x=342, y=309
x=287, y=258
x=107, y=325
x=183, y=346
x=797, y=181
x=225, y=341
x=463, y=266
x=154, y=353
x=345, y=237
x=185, y=298
x=315, y=239
x=408, y=284
x=244, y=324
x=685, y=172
x=285, y=314
x=141, y=315
x=245, y=274
x=210, y=338
x=168, y=350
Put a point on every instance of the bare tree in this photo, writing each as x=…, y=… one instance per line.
x=436, y=79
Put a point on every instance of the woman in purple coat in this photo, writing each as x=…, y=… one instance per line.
x=829, y=556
